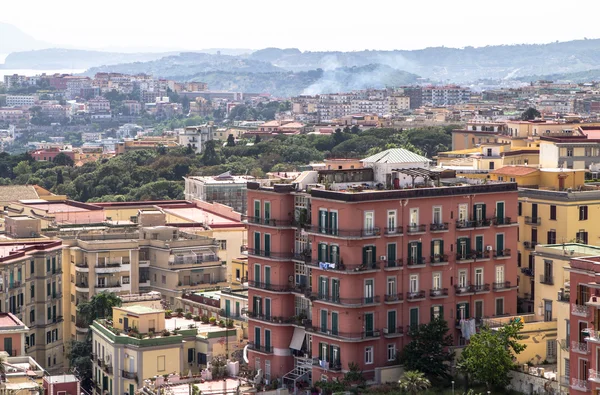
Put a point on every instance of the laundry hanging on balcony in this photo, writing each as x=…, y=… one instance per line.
x=326, y=265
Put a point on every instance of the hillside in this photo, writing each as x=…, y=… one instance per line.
x=581, y=76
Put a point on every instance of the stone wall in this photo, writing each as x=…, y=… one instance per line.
x=528, y=384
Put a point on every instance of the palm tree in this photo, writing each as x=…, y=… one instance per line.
x=414, y=381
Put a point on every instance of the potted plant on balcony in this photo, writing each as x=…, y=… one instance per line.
x=179, y=311
x=204, y=319
x=212, y=321
x=168, y=313
x=222, y=324
x=188, y=316
x=196, y=318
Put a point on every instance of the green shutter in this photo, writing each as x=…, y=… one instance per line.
x=364, y=255
x=257, y=273
x=441, y=247
x=374, y=249
x=323, y=322
x=321, y=351
x=320, y=287
x=432, y=253
x=431, y=312
x=333, y=222
x=468, y=240
x=257, y=209
x=500, y=211
x=320, y=253
x=391, y=253
x=190, y=355
x=268, y=339
x=478, y=243
x=419, y=251
x=414, y=316
x=499, y=242
x=475, y=212
x=267, y=244
x=256, y=241
x=334, y=323
x=483, y=213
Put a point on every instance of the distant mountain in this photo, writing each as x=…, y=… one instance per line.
x=57, y=58
x=577, y=77
x=190, y=63
x=13, y=39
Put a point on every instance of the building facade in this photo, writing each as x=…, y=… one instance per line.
x=360, y=268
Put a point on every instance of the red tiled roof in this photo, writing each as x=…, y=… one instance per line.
x=515, y=170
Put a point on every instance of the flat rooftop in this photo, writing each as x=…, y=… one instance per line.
x=200, y=216
x=63, y=378
x=577, y=248
x=139, y=309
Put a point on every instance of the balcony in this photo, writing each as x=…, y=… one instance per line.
x=580, y=347
x=530, y=245
x=480, y=288
x=592, y=335
x=14, y=285
x=546, y=279
x=393, y=264
x=270, y=318
x=348, y=302
x=438, y=227
x=111, y=267
x=260, y=348
x=580, y=385
x=414, y=262
x=465, y=224
x=580, y=310
x=533, y=220
x=502, y=221
x=343, y=233
x=464, y=258
x=354, y=336
x=503, y=286
x=437, y=293
x=415, y=296
x=269, y=286
x=482, y=254
x=416, y=229
x=108, y=285
x=527, y=271
x=594, y=376
x=564, y=381
x=439, y=260
x=82, y=267
x=269, y=222
x=397, y=231
x=276, y=256
x=341, y=267
x=82, y=287
x=501, y=254
x=393, y=332
x=393, y=298
x=129, y=375
x=328, y=366
x=594, y=301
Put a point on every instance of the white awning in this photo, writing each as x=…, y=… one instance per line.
x=298, y=338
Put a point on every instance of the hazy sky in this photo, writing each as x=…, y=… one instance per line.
x=305, y=24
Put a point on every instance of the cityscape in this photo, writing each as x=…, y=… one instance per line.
x=311, y=221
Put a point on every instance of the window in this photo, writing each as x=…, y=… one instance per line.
x=391, y=352
x=413, y=317
x=499, y=306
x=391, y=221
x=520, y=209
x=551, y=349
x=547, y=310
x=323, y=228
x=222, y=244
x=512, y=179
x=47, y=264
x=552, y=236
x=164, y=279
x=583, y=213
x=437, y=215
x=369, y=290
x=368, y=355
x=437, y=281
x=500, y=275
x=478, y=308
x=391, y=286
x=125, y=279
x=160, y=363
x=414, y=283
x=479, y=276
x=569, y=151
x=369, y=222
x=553, y=212
x=267, y=212
x=414, y=217
x=437, y=312
x=257, y=210
x=462, y=278
x=582, y=236
x=32, y=267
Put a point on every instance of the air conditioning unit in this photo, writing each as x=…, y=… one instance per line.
x=489, y=248
x=382, y=258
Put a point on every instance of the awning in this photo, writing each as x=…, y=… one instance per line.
x=298, y=338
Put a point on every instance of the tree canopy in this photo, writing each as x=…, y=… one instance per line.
x=488, y=357
x=530, y=114
x=429, y=349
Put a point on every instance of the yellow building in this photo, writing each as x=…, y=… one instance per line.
x=548, y=216
x=552, y=179
x=490, y=157
x=139, y=343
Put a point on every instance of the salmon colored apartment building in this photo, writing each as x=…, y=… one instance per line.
x=338, y=275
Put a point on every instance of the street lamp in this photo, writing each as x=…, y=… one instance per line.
x=452, y=387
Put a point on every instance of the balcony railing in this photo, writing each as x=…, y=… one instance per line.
x=501, y=286
x=14, y=284
x=501, y=221
x=465, y=224
x=533, y=220
x=344, y=233
x=564, y=381
x=268, y=221
x=345, y=335
x=416, y=228
x=464, y=257
x=270, y=254
x=580, y=385
x=438, y=227
x=259, y=347
x=393, y=331
x=129, y=375
x=530, y=245
x=396, y=263
x=270, y=318
x=580, y=310
x=527, y=271
x=505, y=253
x=410, y=296
x=345, y=301
x=471, y=288
x=438, y=292
x=439, y=259
x=482, y=254
x=397, y=231
x=269, y=286
x=329, y=366
x=594, y=375
x=341, y=267
x=393, y=298
x=481, y=287
x=546, y=279
x=580, y=347
x=415, y=261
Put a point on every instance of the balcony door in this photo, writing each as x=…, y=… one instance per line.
x=369, y=324
x=369, y=290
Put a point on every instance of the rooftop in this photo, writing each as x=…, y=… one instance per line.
x=572, y=248
x=13, y=193
x=139, y=309
x=63, y=378
x=515, y=170
x=225, y=178
x=9, y=322
x=395, y=155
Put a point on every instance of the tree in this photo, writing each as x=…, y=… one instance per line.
x=429, y=350
x=257, y=139
x=489, y=356
x=230, y=141
x=63, y=159
x=59, y=177
x=99, y=306
x=530, y=114
x=413, y=382
x=79, y=359
x=210, y=156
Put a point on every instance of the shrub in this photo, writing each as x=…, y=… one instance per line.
x=168, y=313
x=204, y=319
x=188, y=316
x=196, y=318
x=212, y=320
x=229, y=323
x=222, y=324
x=165, y=333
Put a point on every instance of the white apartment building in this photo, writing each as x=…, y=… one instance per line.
x=21, y=100
x=196, y=136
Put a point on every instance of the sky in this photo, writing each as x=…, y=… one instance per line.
x=348, y=25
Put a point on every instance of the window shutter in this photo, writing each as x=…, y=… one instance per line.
x=441, y=247
x=364, y=255
x=475, y=212
x=374, y=249
x=431, y=313
x=442, y=312
x=419, y=250
x=468, y=241
x=320, y=253
x=410, y=251
x=483, y=212
x=467, y=315
x=432, y=248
